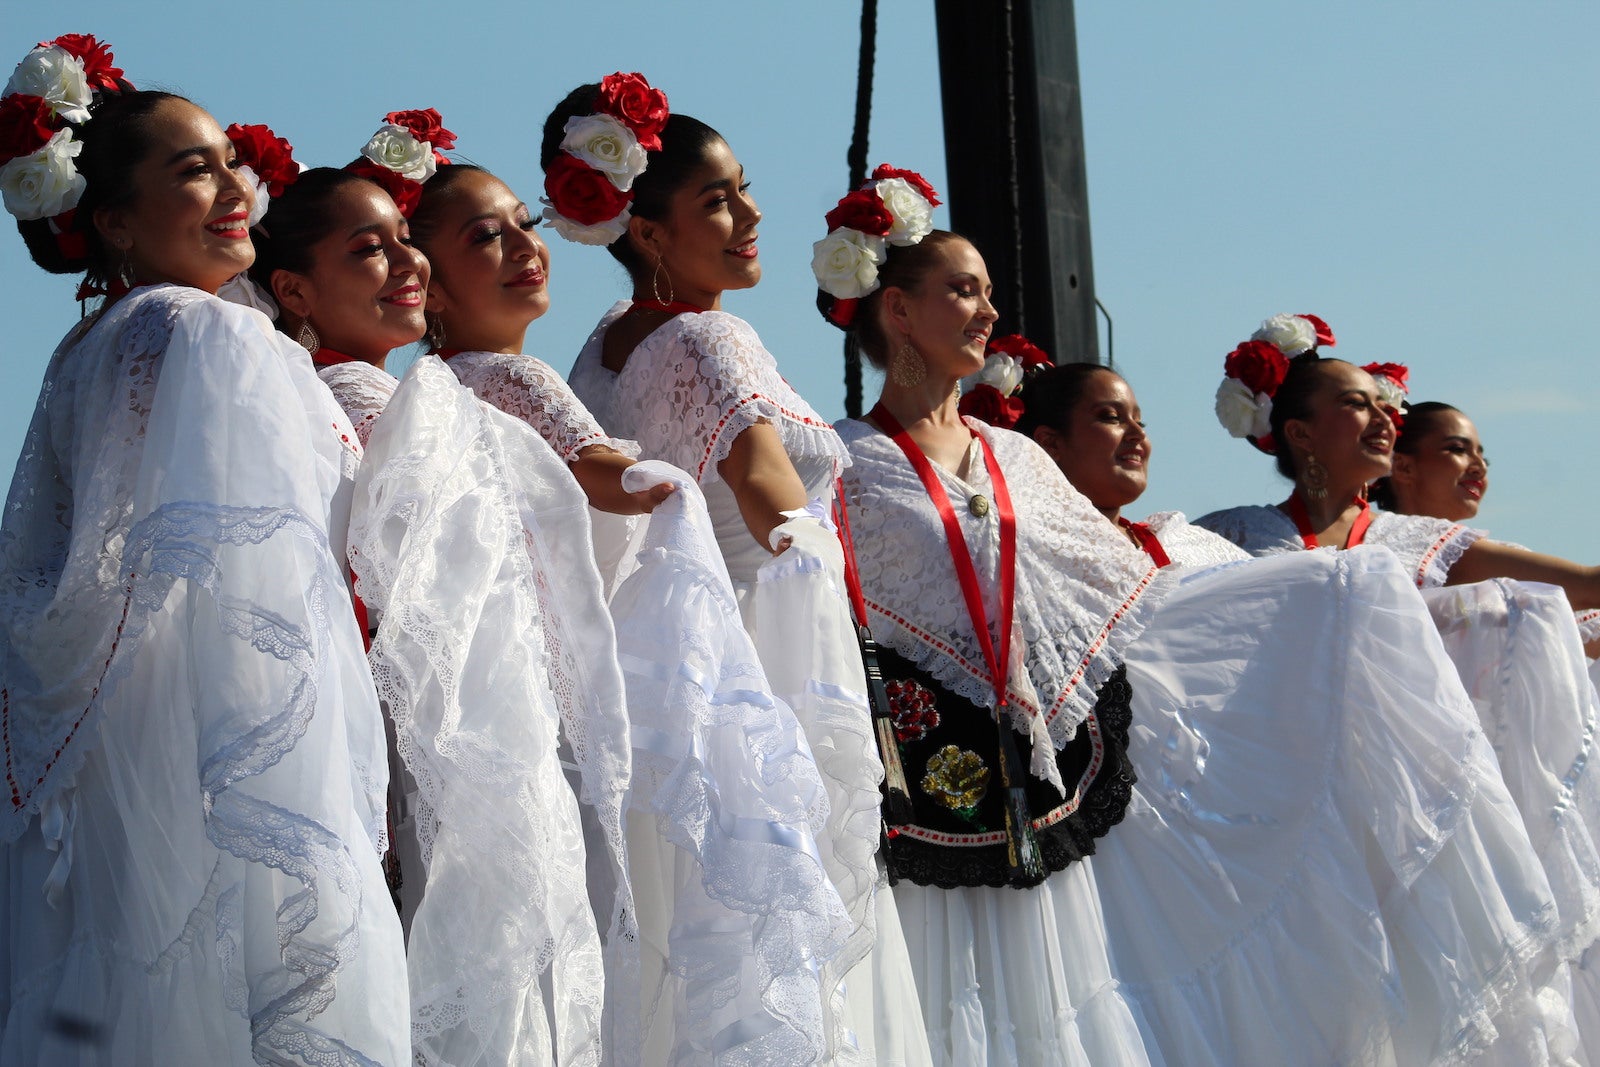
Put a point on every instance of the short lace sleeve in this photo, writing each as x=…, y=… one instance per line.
x=694, y=385
x=1427, y=547
x=362, y=390
x=1258, y=529
x=1189, y=545
x=530, y=389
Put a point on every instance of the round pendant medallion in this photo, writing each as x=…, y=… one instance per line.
x=978, y=505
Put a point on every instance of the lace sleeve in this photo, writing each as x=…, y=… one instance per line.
x=362, y=390
x=1189, y=545
x=704, y=379
x=530, y=389
x=1259, y=530
x=1428, y=547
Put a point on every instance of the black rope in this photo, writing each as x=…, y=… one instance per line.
x=856, y=158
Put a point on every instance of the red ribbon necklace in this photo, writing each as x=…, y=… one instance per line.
x=1302, y=522
x=1148, y=541
x=996, y=647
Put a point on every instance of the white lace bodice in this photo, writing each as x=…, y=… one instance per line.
x=1189, y=545
x=687, y=391
x=361, y=389
x=1427, y=547
x=530, y=389
x=1083, y=591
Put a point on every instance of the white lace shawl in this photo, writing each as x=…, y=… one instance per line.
x=361, y=389
x=530, y=389
x=1427, y=547
x=693, y=386
x=1083, y=591
x=1188, y=545
x=177, y=480
x=471, y=537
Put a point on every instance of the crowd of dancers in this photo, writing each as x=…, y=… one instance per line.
x=484, y=716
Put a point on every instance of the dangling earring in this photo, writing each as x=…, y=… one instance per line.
x=125, y=274
x=655, y=284
x=1315, y=479
x=907, y=369
x=434, y=337
x=306, y=337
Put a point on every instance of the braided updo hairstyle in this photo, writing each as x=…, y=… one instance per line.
x=684, y=143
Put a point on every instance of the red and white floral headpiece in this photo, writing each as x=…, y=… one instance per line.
x=406, y=151
x=589, y=184
x=48, y=96
x=893, y=207
x=994, y=393
x=1255, y=369
x=266, y=161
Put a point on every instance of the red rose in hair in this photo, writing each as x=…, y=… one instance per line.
x=264, y=152
x=985, y=402
x=426, y=125
x=403, y=191
x=1259, y=365
x=912, y=178
x=1019, y=348
x=582, y=193
x=97, y=64
x=861, y=210
x=26, y=125
x=1324, y=331
x=632, y=101
x=1398, y=373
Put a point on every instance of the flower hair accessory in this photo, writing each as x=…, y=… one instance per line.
x=893, y=207
x=406, y=151
x=1254, y=371
x=1394, y=383
x=589, y=184
x=267, y=162
x=47, y=96
x=993, y=394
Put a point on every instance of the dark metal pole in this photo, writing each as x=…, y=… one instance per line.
x=1018, y=186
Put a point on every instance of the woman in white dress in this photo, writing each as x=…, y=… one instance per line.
x=733, y=910
x=468, y=544
x=1282, y=866
x=694, y=386
x=194, y=750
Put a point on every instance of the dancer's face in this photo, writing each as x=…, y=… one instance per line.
x=706, y=244
x=1443, y=472
x=947, y=316
x=1101, y=444
x=1346, y=429
x=188, y=220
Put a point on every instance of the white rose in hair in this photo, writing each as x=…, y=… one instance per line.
x=606, y=145
x=846, y=263
x=45, y=183
x=395, y=148
x=1389, y=391
x=913, y=215
x=600, y=234
x=56, y=75
x=1241, y=412
x=1002, y=372
x=1290, y=333
x=258, y=209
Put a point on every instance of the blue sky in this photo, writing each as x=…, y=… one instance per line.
x=1421, y=175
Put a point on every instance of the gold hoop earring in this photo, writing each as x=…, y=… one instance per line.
x=655, y=284
x=1315, y=479
x=306, y=337
x=907, y=369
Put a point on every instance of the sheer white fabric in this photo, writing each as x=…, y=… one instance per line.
x=531, y=390
x=685, y=393
x=1322, y=863
x=736, y=907
x=1521, y=659
x=1083, y=591
x=196, y=754
x=1187, y=545
x=470, y=536
x=1428, y=547
x=361, y=389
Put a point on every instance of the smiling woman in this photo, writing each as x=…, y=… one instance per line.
x=194, y=751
